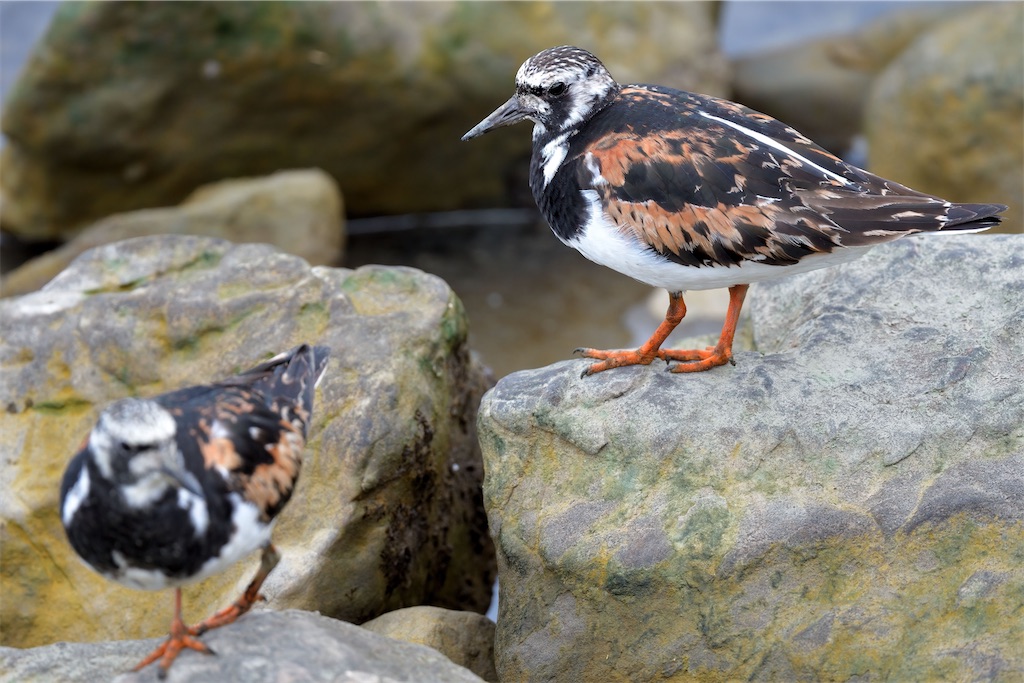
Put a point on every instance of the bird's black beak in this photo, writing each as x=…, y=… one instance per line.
x=185, y=479
x=505, y=115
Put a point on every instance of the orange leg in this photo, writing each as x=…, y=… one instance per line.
x=185, y=637
x=721, y=353
x=250, y=597
x=181, y=637
x=648, y=351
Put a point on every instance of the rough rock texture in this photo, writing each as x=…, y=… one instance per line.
x=846, y=503
x=376, y=94
x=297, y=211
x=387, y=512
x=466, y=638
x=819, y=87
x=262, y=647
x=947, y=116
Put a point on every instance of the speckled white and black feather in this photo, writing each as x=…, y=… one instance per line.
x=171, y=489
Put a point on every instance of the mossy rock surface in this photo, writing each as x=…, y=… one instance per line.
x=847, y=502
x=387, y=512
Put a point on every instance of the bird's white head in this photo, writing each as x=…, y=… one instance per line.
x=557, y=89
x=134, y=446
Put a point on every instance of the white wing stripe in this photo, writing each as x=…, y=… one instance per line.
x=764, y=139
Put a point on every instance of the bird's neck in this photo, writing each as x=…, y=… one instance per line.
x=555, y=187
x=146, y=490
x=553, y=182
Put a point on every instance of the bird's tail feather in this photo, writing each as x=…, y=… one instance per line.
x=967, y=218
x=291, y=376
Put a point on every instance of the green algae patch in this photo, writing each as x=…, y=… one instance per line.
x=313, y=318
x=454, y=322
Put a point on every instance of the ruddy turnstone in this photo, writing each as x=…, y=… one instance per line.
x=686, y=191
x=171, y=489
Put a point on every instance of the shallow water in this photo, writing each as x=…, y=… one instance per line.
x=530, y=299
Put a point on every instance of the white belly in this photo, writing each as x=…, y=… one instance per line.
x=602, y=242
x=251, y=534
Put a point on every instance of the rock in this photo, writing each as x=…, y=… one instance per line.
x=819, y=87
x=264, y=646
x=847, y=502
x=870, y=48
x=466, y=638
x=376, y=94
x=296, y=211
x=387, y=512
x=804, y=87
x=946, y=116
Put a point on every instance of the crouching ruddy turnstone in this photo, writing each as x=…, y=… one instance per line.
x=686, y=191
x=169, y=490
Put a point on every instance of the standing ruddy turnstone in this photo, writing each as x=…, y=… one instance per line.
x=169, y=490
x=686, y=191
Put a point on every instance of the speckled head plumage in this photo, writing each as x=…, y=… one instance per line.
x=686, y=191
x=132, y=437
x=556, y=89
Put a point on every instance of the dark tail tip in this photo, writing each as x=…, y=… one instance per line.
x=314, y=356
x=321, y=354
x=973, y=217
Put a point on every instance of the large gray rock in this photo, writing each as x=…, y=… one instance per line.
x=262, y=647
x=299, y=212
x=947, y=115
x=387, y=512
x=847, y=502
x=376, y=94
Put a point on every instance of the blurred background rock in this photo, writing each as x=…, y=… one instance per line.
x=112, y=111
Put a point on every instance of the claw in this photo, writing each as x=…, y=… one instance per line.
x=180, y=638
x=183, y=637
x=695, y=360
x=252, y=595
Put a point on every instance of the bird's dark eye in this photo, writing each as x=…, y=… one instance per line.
x=558, y=89
x=128, y=448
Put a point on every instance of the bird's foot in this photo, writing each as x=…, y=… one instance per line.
x=181, y=637
x=227, y=615
x=250, y=597
x=613, y=359
x=696, y=360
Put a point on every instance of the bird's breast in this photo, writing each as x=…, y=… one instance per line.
x=248, y=532
x=559, y=199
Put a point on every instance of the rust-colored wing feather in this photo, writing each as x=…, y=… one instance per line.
x=708, y=182
x=252, y=427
